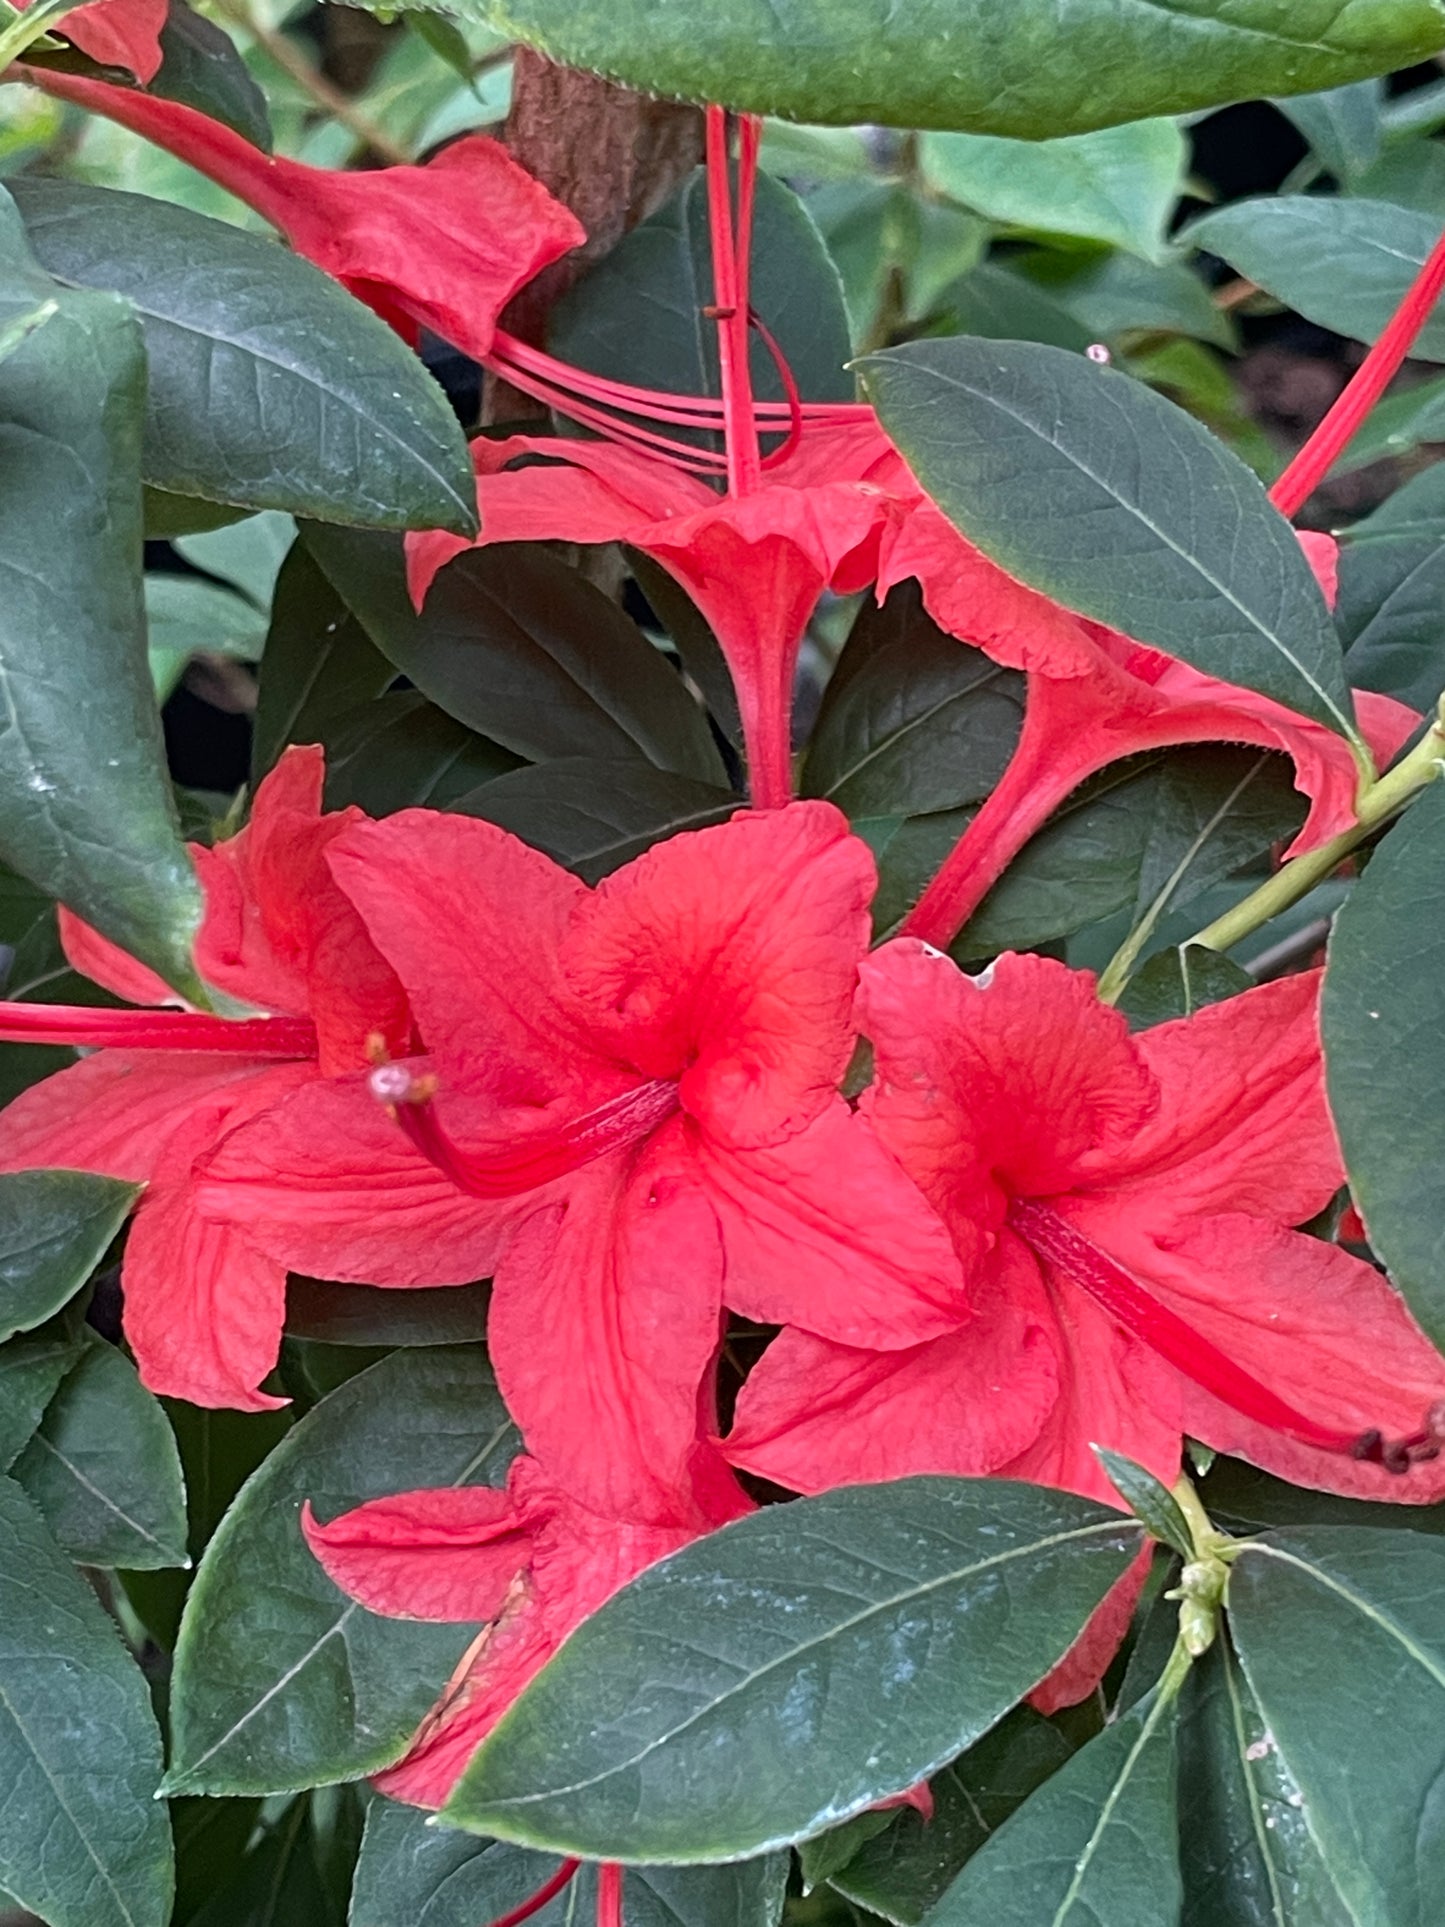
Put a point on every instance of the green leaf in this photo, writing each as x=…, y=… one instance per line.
x=1151, y=1502
x=1392, y=575
x=83, y=1842
x=1179, y=981
x=1097, y=1843
x=211, y=1840
x=401, y=751
x=1341, y=1641
x=998, y=303
x=187, y=616
x=247, y=554
x=202, y=68
x=1030, y=69
x=524, y=650
x=663, y=269
x=818, y=1657
x=279, y=1881
x=85, y=807
x=1374, y=252
x=1086, y=485
x=1383, y=1019
x=1243, y=1495
x=270, y=386
x=318, y=662
x=1118, y=185
x=103, y=1467
x=367, y=1315
x=594, y=815
x=897, y=254
x=1397, y=426
x=903, y=1872
x=1342, y=125
x=31, y=1367
x=1115, y=294
x=280, y=1681
x=18, y=329
x=54, y=1230
x=412, y=1870
x=1245, y=1847
x=912, y=719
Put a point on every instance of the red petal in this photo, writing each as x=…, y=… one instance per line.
x=825, y=1231
x=104, y=962
x=728, y=957
x=448, y=1554
x=1089, y=1658
x=604, y=1323
x=118, y=33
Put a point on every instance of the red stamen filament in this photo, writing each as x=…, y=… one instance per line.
x=1178, y=1344
x=609, y=1894
x=535, y=1161
x=1366, y=385
x=172, y=1030
x=729, y=281
x=548, y=1890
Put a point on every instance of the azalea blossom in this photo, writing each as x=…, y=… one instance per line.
x=1124, y=1208
x=627, y=1112
x=203, y=1307
x=116, y=33
x=444, y=246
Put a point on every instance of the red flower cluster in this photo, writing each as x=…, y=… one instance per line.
x=1031, y=1234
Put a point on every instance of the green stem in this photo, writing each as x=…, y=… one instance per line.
x=24, y=29
x=1201, y=1526
x=1378, y=803
x=1176, y=1671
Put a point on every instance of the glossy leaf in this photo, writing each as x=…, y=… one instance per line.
x=1116, y=295
x=1031, y=69
x=103, y=1467
x=1343, y=125
x=1397, y=426
x=281, y=1681
x=202, y=67
x=279, y=1880
x=368, y=1315
x=523, y=650
x=998, y=303
x=428, y=1876
x=904, y=1871
x=1242, y=1495
x=401, y=751
x=817, y=1658
x=187, y=616
x=83, y=1842
x=1392, y=576
x=31, y=1368
x=1343, y=263
x=1383, y=1019
x=247, y=554
x=1086, y=485
x=1096, y=1843
x=1179, y=981
x=1151, y=1502
x=85, y=808
x=595, y=815
x=270, y=386
x=54, y=1230
x=1245, y=1847
x=1340, y=1636
x=1118, y=185
x=318, y=662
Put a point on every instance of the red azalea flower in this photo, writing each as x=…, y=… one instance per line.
x=444, y=246
x=116, y=33
x=1124, y=1210
x=635, y=1121
x=529, y=1562
x=204, y=1308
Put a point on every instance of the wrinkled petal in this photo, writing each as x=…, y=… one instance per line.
x=728, y=958
x=826, y=1232
x=814, y=1415
x=448, y=1554
x=604, y=1325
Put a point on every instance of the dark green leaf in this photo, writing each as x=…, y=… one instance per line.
x=169, y=515
x=202, y=68
x=1397, y=426
x=1340, y=1634
x=279, y=1881
x=1342, y=125
x=1179, y=981
x=1344, y=263
x=1383, y=1017
x=896, y=252
x=1392, y=577
x=912, y=720
x=31, y=1367
x=1031, y=69
x=270, y=386
x=280, y=1681
x=998, y=303
x=367, y=1315
x=103, y=1467
x=663, y=269
x=1151, y=1502
x=1243, y=1495
x=83, y=1842
x=247, y=554
x=318, y=662
x=818, y=1657
x=1096, y=1844
x=595, y=815
x=1085, y=484
x=523, y=650
x=187, y=616
x=1118, y=185
x=1245, y=1847
x=429, y=1876
x=401, y=751
x=211, y=1838
x=904, y=1871
x=54, y=1229
x=1116, y=294
x=85, y=808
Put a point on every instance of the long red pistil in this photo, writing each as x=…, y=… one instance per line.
x=1126, y=1300
x=609, y=1894
x=623, y=1120
x=730, y=246
x=173, y=1030
x=1364, y=389
x=548, y=1890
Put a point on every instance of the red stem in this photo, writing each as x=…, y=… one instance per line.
x=1366, y=385
x=169, y=1030
x=609, y=1894
x=548, y=1890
